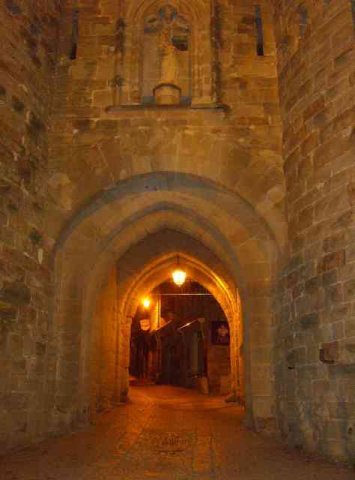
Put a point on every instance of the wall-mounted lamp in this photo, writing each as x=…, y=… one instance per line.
x=146, y=302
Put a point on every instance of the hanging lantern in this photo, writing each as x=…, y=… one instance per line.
x=179, y=275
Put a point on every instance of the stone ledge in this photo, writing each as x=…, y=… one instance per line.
x=213, y=107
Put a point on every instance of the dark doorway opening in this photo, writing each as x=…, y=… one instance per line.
x=180, y=336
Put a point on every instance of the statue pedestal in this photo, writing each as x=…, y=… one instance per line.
x=167, y=94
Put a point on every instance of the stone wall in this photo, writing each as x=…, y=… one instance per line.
x=78, y=190
x=95, y=146
x=83, y=189
x=103, y=348
x=316, y=329
x=29, y=38
x=119, y=172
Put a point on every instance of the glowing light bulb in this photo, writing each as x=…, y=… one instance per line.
x=179, y=277
x=146, y=302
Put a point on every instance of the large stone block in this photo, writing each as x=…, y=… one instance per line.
x=329, y=352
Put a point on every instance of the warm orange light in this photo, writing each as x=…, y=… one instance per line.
x=146, y=302
x=179, y=277
x=145, y=324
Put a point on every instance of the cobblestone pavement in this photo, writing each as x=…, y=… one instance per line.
x=170, y=434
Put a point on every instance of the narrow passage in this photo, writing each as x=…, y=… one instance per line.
x=168, y=433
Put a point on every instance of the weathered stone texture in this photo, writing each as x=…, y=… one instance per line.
x=103, y=143
x=87, y=172
x=316, y=67
x=95, y=146
x=27, y=61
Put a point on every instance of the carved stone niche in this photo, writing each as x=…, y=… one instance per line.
x=166, y=56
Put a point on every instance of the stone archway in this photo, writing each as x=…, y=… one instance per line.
x=156, y=263
x=118, y=218
x=198, y=263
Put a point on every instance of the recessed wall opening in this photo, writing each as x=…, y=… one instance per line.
x=180, y=336
x=131, y=260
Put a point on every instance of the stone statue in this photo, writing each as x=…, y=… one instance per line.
x=169, y=67
x=167, y=24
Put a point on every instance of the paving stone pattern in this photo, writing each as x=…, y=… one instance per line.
x=172, y=434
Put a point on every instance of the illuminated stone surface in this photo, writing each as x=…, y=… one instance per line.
x=251, y=179
x=170, y=434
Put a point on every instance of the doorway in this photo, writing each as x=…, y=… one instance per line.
x=180, y=336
